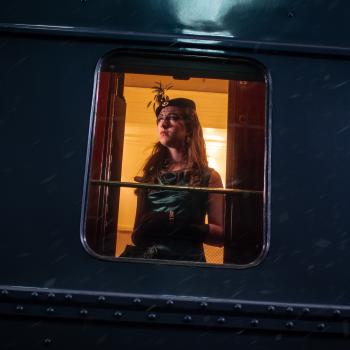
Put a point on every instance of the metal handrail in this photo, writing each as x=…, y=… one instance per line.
x=174, y=187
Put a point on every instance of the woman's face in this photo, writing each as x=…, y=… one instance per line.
x=171, y=127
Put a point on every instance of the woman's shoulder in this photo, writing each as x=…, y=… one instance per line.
x=215, y=178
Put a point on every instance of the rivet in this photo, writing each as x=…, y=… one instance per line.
x=187, y=318
x=68, y=296
x=51, y=295
x=238, y=307
x=137, y=301
x=204, y=305
x=170, y=302
x=47, y=341
x=4, y=292
x=152, y=316
x=337, y=312
x=221, y=320
x=321, y=326
x=271, y=308
x=50, y=310
x=83, y=312
x=19, y=308
x=254, y=323
x=289, y=324
x=118, y=314
x=290, y=310
x=306, y=310
x=101, y=298
x=35, y=294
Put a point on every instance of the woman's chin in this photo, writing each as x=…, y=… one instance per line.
x=165, y=142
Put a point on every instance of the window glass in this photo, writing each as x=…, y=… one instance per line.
x=177, y=161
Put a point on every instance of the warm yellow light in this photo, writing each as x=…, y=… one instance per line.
x=140, y=136
x=215, y=140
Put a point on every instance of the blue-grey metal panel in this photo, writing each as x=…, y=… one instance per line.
x=312, y=23
x=46, y=91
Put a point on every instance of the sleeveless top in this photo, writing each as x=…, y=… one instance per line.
x=187, y=208
x=190, y=206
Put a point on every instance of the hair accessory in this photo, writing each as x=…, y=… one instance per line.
x=176, y=102
x=162, y=100
x=160, y=96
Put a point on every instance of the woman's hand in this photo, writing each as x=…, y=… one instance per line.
x=151, y=225
x=155, y=227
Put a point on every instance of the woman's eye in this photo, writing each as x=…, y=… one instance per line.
x=169, y=118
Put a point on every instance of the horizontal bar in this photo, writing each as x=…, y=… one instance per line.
x=176, y=188
x=217, y=41
x=171, y=310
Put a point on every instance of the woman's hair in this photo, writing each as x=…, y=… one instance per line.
x=195, y=153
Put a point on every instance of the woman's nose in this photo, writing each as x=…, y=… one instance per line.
x=165, y=123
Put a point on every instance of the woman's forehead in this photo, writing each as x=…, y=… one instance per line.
x=171, y=109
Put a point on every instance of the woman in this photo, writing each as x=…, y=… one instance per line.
x=170, y=224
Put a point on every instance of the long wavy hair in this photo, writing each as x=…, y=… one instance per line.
x=195, y=153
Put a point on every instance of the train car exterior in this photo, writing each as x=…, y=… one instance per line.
x=61, y=287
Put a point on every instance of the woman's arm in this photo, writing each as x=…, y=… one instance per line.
x=216, y=208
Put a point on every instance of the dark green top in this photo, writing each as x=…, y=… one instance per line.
x=156, y=235
x=191, y=206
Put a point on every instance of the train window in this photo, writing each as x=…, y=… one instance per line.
x=177, y=161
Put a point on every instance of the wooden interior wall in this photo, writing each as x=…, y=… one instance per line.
x=107, y=150
x=245, y=170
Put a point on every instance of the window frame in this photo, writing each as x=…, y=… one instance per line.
x=206, y=61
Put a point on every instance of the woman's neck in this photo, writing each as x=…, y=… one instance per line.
x=177, y=160
x=176, y=155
